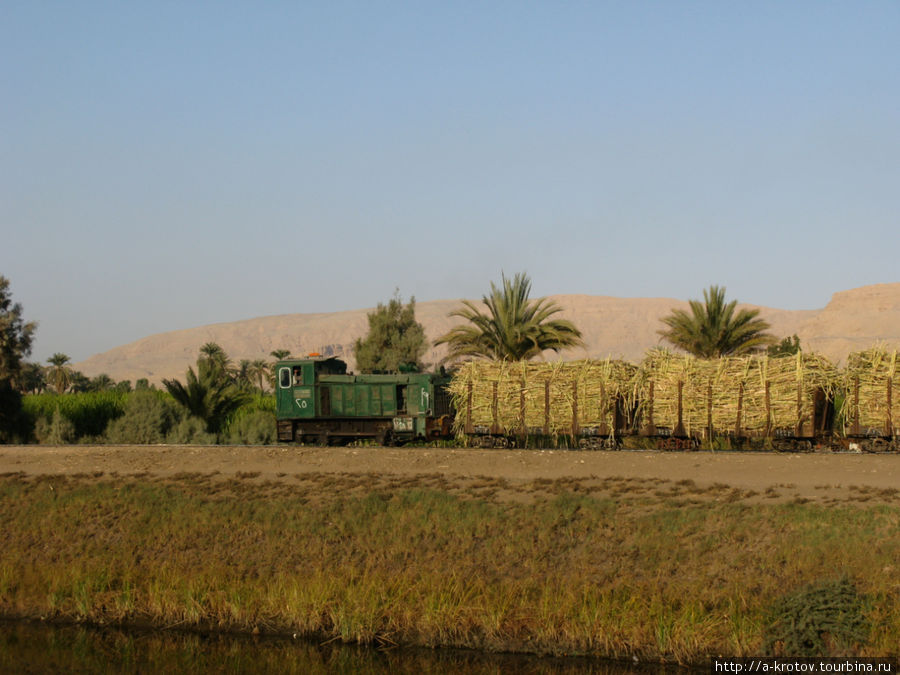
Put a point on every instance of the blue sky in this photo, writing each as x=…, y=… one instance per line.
x=165, y=165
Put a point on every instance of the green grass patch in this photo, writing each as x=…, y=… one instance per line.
x=563, y=573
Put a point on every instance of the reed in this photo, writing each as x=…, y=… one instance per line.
x=617, y=573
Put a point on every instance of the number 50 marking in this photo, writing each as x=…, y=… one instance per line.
x=301, y=403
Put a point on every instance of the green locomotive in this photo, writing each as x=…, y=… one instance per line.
x=317, y=401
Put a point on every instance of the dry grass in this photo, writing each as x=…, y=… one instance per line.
x=603, y=566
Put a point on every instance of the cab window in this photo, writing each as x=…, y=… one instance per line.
x=298, y=376
x=284, y=377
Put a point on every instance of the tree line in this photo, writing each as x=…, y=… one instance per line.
x=507, y=325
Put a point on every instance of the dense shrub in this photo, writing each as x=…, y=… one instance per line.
x=148, y=417
x=90, y=412
x=254, y=428
x=57, y=430
x=191, y=430
x=826, y=618
x=144, y=416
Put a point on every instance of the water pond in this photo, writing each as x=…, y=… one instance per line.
x=28, y=647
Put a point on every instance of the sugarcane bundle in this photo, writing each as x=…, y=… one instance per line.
x=747, y=395
x=782, y=393
x=872, y=389
x=670, y=382
x=551, y=397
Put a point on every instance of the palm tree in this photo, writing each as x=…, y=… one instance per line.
x=34, y=380
x=514, y=327
x=60, y=374
x=259, y=370
x=102, y=382
x=218, y=359
x=206, y=395
x=711, y=329
x=242, y=375
x=280, y=354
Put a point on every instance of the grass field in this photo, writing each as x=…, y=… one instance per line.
x=616, y=567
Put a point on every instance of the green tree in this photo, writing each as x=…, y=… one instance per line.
x=513, y=328
x=279, y=354
x=80, y=383
x=395, y=339
x=13, y=421
x=16, y=336
x=123, y=386
x=242, y=376
x=712, y=328
x=218, y=360
x=34, y=380
x=206, y=394
x=102, y=382
x=787, y=347
x=259, y=371
x=59, y=373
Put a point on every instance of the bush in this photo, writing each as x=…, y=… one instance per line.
x=57, y=430
x=191, y=430
x=823, y=619
x=148, y=417
x=254, y=428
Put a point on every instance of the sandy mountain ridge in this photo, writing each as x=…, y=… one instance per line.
x=612, y=327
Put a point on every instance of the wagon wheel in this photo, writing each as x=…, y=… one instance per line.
x=877, y=445
x=784, y=445
x=501, y=442
x=485, y=442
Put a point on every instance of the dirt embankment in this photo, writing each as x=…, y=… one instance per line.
x=819, y=477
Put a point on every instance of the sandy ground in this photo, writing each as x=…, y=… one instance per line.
x=826, y=476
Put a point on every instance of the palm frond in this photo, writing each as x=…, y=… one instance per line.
x=513, y=327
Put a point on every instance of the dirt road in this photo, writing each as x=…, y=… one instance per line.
x=809, y=476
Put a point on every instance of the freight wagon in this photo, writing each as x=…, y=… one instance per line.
x=318, y=401
x=669, y=401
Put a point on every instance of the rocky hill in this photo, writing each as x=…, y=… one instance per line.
x=616, y=327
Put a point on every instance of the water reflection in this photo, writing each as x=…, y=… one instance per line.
x=40, y=648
